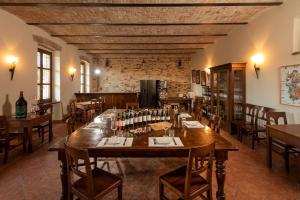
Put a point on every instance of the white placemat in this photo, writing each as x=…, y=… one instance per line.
x=193, y=124
x=185, y=115
x=177, y=143
x=105, y=142
x=94, y=125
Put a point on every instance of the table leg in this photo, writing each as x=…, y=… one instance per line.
x=63, y=175
x=269, y=150
x=50, y=131
x=220, y=174
x=29, y=139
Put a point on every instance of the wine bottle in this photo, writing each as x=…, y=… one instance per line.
x=149, y=116
x=131, y=118
x=168, y=118
x=21, y=107
x=145, y=118
x=123, y=122
x=136, y=119
x=158, y=116
x=163, y=116
x=140, y=119
x=153, y=119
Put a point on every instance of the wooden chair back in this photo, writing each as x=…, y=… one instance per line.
x=276, y=118
x=204, y=156
x=217, y=124
x=250, y=111
x=73, y=108
x=3, y=126
x=261, y=116
x=75, y=159
x=70, y=125
x=198, y=112
x=132, y=105
x=211, y=120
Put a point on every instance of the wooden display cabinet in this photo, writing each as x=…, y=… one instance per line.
x=228, y=92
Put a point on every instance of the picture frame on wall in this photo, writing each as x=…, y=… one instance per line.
x=203, y=78
x=198, y=77
x=193, y=76
x=290, y=85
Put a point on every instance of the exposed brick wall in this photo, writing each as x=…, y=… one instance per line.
x=124, y=74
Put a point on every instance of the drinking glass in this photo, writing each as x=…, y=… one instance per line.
x=166, y=127
x=113, y=126
x=171, y=133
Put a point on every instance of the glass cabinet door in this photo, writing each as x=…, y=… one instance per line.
x=223, y=95
x=238, y=94
x=214, y=93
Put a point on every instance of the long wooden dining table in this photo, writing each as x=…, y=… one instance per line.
x=88, y=138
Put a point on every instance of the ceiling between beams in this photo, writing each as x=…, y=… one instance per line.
x=111, y=28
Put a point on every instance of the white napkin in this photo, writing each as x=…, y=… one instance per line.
x=115, y=142
x=164, y=142
x=193, y=124
x=94, y=125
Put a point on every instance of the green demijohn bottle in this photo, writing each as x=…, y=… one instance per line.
x=21, y=107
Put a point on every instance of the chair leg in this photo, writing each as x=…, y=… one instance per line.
x=209, y=194
x=95, y=160
x=24, y=142
x=253, y=139
x=6, y=150
x=43, y=133
x=286, y=158
x=161, y=190
x=120, y=192
x=39, y=132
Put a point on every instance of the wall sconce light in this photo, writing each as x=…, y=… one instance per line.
x=97, y=72
x=12, y=61
x=72, y=71
x=257, y=59
x=207, y=70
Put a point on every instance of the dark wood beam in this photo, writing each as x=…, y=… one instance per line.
x=42, y=4
x=120, y=43
x=133, y=24
x=86, y=49
x=141, y=53
x=105, y=35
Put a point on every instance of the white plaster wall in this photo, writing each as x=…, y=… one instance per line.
x=270, y=33
x=16, y=39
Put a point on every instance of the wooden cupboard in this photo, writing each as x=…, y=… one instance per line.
x=228, y=92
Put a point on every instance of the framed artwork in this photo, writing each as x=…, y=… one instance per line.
x=203, y=78
x=193, y=76
x=290, y=85
x=198, y=77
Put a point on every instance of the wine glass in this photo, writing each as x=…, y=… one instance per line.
x=113, y=126
x=166, y=127
x=172, y=133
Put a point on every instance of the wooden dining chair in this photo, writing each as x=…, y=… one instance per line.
x=187, y=181
x=70, y=125
x=90, y=184
x=132, y=105
x=198, y=111
x=279, y=146
x=76, y=113
x=6, y=138
x=45, y=108
x=97, y=105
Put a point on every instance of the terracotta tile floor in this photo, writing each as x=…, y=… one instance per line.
x=36, y=176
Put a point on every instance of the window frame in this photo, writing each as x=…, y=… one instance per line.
x=41, y=68
x=84, y=74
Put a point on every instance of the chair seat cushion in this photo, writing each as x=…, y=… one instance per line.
x=176, y=178
x=102, y=181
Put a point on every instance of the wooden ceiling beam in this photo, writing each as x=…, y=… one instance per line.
x=86, y=49
x=42, y=4
x=98, y=35
x=143, y=53
x=124, y=43
x=133, y=24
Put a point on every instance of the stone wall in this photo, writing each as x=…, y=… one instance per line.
x=124, y=74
